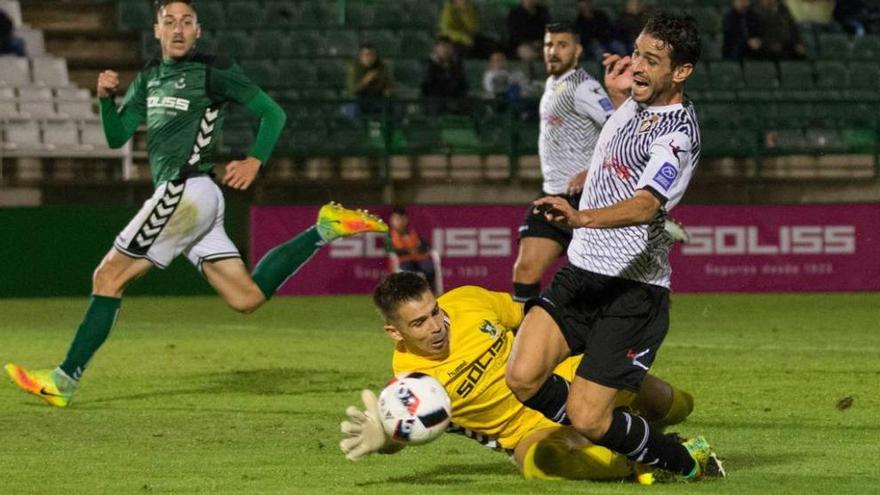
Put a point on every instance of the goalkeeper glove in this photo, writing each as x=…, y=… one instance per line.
x=366, y=435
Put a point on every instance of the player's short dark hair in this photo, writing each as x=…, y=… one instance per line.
x=680, y=32
x=396, y=289
x=161, y=4
x=400, y=210
x=563, y=27
x=366, y=45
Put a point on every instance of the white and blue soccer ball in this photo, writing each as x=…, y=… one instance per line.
x=414, y=408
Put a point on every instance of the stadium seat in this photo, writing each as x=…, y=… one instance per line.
x=263, y=72
x=408, y=72
x=416, y=44
x=473, y=71
x=135, y=16
x=271, y=43
x=34, y=42
x=341, y=43
x=77, y=109
x=22, y=135
x=306, y=43
x=50, y=71
x=298, y=73
x=711, y=47
x=386, y=42
x=72, y=93
x=212, y=15
x=332, y=73
x=798, y=81
x=236, y=44
x=13, y=11
x=825, y=141
x=493, y=20
x=36, y=103
x=562, y=10
x=60, y=135
x=866, y=48
x=831, y=76
x=696, y=83
x=92, y=136
x=360, y=15
x=244, y=14
x=709, y=20
x=726, y=75
x=8, y=105
x=281, y=14
x=316, y=13
x=834, y=46
x=14, y=71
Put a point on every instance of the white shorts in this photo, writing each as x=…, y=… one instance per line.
x=182, y=216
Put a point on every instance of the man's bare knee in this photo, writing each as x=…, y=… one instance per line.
x=588, y=422
x=525, y=271
x=246, y=304
x=523, y=384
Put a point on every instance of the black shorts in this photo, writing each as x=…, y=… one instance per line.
x=617, y=324
x=536, y=225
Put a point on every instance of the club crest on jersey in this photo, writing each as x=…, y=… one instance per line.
x=489, y=329
x=181, y=83
x=648, y=123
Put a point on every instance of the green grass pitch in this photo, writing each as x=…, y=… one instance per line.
x=189, y=397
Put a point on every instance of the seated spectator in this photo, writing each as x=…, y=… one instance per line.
x=412, y=252
x=630, y=23
x=857, y=16
x=460, y=22
x=596, y=31
x=741, y=29
x=369, y=80
x=500, y=81
x=780, y=36
x=445, y=81
x=10, y=44
x=525, y=29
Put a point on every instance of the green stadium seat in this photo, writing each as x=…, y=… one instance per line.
x=825, y=141
x=332, y=73
x=493, y=20
x=244, y=14
x=709, y=20
x=360, y=15
x=420, y=135
x=352, y=139
x=732, y=143
x=408, y=72
x=271, y=43
x=726, y=75
x=306, y=43
x=315, y=13
x=860, y=140
x=831, y=75
x=298, y=73
x=698, y=82
x=263, y=72
x=834, y=46
x=786, y=141
x=419, y=14
x=798, y=81
x=865, y=76
x=236, y=44
x=473, y=71
x=562, y=10
x=760, y=75
x=711, y=47
x=416, y=44
x=281, y=14
x=212, y=15
x=318, y=93
x=386, y=42
x=135, y=16
x=866, y=48
x=341, y=43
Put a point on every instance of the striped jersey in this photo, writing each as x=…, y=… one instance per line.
x=481, y=333
x=651, y=148
x=573, y=109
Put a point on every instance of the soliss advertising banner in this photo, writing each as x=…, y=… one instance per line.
x=731, y=248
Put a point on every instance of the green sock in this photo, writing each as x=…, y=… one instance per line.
x=92, y=332
x=284, y=260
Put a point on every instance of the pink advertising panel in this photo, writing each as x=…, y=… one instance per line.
x=732, y=248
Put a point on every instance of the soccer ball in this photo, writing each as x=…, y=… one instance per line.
x=414, y=408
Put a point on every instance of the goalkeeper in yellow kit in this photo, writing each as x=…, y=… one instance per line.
x=464, y=339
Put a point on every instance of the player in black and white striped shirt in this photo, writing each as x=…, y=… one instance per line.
x=611, y=301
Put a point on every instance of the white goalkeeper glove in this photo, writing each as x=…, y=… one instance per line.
x=364, y=429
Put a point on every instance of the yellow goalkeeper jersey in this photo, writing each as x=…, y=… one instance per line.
x=481, y=332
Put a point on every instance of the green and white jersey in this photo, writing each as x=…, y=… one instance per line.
x=183, y=104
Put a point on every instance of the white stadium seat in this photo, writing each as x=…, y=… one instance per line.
x=77, y=109
x=13, y=10
x=8, y=109
x=50, y=71
x=93, y=136
x=34, y=43
x=38, y=109
x=60, y=135
x=34, y=93
x=22, y=135
x=14, y=71
x=71, y=93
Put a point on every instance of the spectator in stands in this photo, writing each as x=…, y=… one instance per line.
x=369, y=80
x=630, y=23
x=460, y=22
x=812, y=13
x=596, y=31
x=501, y=81
x=741, y=30
x=10, y=44
x=445, y=82
x=525, y=29
x=857, y=16
x=780, y=36
x=412, y=251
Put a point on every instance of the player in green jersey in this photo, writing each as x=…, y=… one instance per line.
x=182, y=99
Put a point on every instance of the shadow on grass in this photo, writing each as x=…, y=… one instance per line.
x=260, y=382
x=441, y=475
